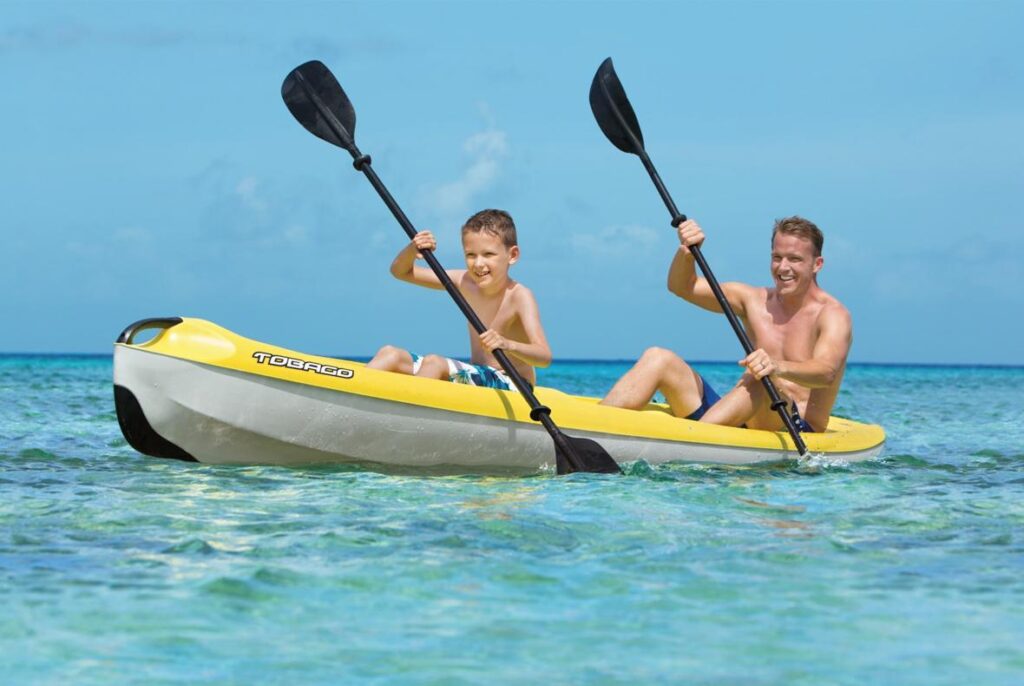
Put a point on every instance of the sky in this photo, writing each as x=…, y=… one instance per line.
x=148, y=167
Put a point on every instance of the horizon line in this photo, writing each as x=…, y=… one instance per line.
x=587, y=360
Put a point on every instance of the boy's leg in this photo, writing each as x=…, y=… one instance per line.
x=392, y=359
x=434, y=367
x=658, y=370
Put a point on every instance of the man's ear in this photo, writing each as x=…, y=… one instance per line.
x=819, y=262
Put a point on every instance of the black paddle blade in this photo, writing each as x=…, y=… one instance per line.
x=613, y=112
x=588, y=456
x=316, y=99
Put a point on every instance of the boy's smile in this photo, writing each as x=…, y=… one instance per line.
x=487, y=258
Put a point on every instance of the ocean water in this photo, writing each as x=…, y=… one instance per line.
x=119, y=568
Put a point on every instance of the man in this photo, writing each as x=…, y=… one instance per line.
x=802, y=337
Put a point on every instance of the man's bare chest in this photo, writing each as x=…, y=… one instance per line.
x=791, y=338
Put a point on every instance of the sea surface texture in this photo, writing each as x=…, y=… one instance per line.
x=120, y=568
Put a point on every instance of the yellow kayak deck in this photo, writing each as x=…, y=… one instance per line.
x=206, y=343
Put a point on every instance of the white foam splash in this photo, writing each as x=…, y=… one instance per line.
x=819, y=461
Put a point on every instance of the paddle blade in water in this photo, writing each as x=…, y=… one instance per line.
x=612, y=110
x=316, y=99
x=590, y=455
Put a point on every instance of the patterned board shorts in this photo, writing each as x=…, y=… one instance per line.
x=472, y=374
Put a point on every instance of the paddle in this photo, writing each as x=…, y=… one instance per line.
x=618, y=121
x=316, y=99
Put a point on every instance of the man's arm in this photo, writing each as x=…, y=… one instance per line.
x=684, y=282
x=835, y=334
x=404, y=265
x=535, y=351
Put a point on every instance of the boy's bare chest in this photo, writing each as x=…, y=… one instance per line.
x=498, y=313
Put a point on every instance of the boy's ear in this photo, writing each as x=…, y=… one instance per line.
x=513, y=254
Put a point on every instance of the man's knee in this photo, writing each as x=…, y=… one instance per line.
x=755, y=387
x=662, y=358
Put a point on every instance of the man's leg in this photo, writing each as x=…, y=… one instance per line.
x=392, y=359
x=738, y=406
x=658, y=370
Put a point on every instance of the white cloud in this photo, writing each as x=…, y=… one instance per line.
x=296, y=234
x=247, y=192
x=246, y=210
x=485, y=151
x=615, y=240
x=63, y=35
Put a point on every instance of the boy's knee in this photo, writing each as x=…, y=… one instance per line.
x=434, y=366
x=435, y=363
x=392, y=359
x=391, y=352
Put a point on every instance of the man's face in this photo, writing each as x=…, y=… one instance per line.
x=793, y=263
x=487, y=258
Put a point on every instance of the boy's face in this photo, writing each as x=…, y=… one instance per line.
x=487, y=258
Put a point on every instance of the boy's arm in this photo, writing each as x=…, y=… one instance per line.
x=684, y=282
x=535, y=351
x=404, y=268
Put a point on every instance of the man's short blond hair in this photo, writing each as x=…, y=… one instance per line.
x=798, y=226
x=495, y=222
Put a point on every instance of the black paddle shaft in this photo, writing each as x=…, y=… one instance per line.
x=777, y=403
x=538, y=413
x=624, y=132
x=336, y=125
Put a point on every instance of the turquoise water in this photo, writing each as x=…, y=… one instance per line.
x=118, y=568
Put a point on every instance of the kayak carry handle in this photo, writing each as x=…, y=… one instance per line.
x=128, y=335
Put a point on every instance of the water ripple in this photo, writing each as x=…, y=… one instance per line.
x=114, y=565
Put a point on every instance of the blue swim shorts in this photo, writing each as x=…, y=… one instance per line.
x=800, y=422
x=708, y=397
x=472, y=374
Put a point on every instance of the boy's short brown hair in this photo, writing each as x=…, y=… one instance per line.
x=495, y=222
x=798, y=226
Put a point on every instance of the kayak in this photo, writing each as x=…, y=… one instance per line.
x=198, y=392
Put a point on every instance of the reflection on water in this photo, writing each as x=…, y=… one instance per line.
x=118, y=567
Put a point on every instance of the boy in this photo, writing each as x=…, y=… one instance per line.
x=505, y=306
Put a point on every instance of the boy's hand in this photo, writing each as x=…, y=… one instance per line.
x=690, y=233
x=424, y=240
x=492, y=340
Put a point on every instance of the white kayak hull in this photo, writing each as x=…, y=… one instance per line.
x=216, y=414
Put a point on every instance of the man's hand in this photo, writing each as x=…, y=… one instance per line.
x=424, y=240
x=492, y=340
x=759, y=364
x=690, y=233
